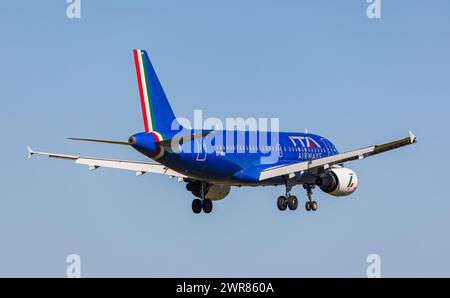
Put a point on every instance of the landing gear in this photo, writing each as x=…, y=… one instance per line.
x=310, y=204
x=292, y=202
x=282, y=203
x=199, y=189
x=197, y=206
x=287, y=200
x=207, y=205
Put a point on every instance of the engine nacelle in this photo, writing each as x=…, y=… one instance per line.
x=338, y=182
x=217, y=192
x=213, y=192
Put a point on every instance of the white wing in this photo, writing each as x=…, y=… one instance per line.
x=335, y=159
x=139, y=167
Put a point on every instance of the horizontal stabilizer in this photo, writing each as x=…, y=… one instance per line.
x=30, y=152
x=99, y=141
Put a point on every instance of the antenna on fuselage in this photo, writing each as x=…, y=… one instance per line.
x=306, y=130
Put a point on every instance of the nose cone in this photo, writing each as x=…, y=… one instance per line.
x=145, y=143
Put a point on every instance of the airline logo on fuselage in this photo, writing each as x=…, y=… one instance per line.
x=311, y=149
x=304, y=141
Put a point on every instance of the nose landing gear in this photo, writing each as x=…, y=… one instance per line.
x=310, y=204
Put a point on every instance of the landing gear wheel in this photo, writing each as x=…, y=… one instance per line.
x=292, y=202
x=308, y=206
x=197, y=206
x=282, y=203
x=207, y=206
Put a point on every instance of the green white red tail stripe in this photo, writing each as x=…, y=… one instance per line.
x=145, y=94
x=144, y=90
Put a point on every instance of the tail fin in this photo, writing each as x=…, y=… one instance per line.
x=156, y=110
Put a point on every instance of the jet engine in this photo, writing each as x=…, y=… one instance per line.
x=338, y=182
x=213, y=192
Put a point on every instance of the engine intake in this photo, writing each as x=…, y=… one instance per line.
x=338, y=182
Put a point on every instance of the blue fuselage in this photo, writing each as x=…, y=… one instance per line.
x=236, y=156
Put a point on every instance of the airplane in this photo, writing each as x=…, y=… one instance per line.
x=212, y=161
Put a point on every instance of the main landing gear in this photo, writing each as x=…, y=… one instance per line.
x=198, y=205
x=291, y=202
x=288, y=200
x=201, y=204
x=284, y=202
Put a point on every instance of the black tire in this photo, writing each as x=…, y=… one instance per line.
x=196, y=206
x=207, y=205
x=282, y=203
x=313, y=205
x=292, y=202
x=308, y=206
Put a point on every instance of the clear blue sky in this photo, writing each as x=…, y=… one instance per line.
x=317, y=64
